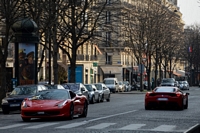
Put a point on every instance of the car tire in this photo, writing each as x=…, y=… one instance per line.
x=108, y=99
x=85, y=110
x=5, y=112
x=26, y=119
x=92, y=100
x=102, y=98
x=182, y=106
x=71, y=112
x=147, y=107
x=186, y=106
x=98, y=100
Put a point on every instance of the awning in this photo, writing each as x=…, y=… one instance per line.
x=177, y=74
x=111, y=70
x=134, y=69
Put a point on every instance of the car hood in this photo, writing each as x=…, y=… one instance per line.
x=43, y=103
x=11, y=97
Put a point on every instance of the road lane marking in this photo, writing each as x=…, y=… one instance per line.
x=132, y=127
x=41, y=125
x=71, y=125
x=100, y=118
x=12, y=126
x=101, y=126
x=164, y=128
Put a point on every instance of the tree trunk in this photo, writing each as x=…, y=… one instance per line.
x=73, y=67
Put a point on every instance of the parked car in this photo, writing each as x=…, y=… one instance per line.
x=112, y=84
x=94, y=95
x=127, y=86
x=168, y=82
x=77, y=88
x=104, y=91
x=13, y=100
x=121, y=86
x=54, y=103
x=166, y=96
x=56, y=86
x=184, y=85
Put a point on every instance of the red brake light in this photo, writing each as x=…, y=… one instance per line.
x=178, y=94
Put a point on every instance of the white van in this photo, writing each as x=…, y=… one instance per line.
x=112, y=84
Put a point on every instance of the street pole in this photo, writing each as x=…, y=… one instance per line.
x=141, y=75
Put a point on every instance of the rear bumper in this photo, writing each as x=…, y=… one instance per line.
x=171, y=102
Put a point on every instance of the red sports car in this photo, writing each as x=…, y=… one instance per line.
x=54, y=103
x=165, y=96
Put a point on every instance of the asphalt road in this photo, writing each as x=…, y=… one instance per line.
x=125, y=113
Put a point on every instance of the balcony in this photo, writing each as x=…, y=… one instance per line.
x=80, y=57
x=108, y=62
x=93, y=57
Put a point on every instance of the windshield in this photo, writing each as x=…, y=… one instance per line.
x=71, y=86
x=163, y=89
x=54, y=95
x=24, y=90
x=89, y=87
x=182, y=82
x=167, y=81
x=108, y=81
x=120, y=83
x=98, y=86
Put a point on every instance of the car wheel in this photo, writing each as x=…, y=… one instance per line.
x=85, y=110
x=92, y=100
x=186, y=106
x=98, y=100
x=26, y=119
x=5, y=111
x=147, y=107
x=182, y=106
x=108, y=99
x=102, y=98
x=71, y=111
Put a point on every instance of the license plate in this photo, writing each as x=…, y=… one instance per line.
x=162, y=99
x=40, y=113
x=14, y=105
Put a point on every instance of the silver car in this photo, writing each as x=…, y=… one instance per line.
x=183, y=85
x=104, y=91
x=94, y=94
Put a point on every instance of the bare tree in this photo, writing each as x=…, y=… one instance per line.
x=10, y=12
x=79, y=22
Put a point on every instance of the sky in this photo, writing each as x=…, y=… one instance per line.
x=190, y=10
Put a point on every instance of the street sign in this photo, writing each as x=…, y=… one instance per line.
x=95, y=64
x=141, y=68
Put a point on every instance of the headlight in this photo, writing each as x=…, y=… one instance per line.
x=60, y=105
x=24, y=105
x=4, y=101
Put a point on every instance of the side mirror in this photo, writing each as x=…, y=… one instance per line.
x=8, y=93
x=82, y=89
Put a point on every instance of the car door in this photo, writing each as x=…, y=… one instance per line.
x=84, y=91
x=105, y=90
x=96, y=93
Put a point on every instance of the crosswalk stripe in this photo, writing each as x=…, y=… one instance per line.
x=41, y=125
x=164, y=128
x=72, y=125
x=12, y=126
x=101, y=126
x=132, y=127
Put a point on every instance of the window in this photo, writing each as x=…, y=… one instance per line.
x=108, y=38
x=108, y=2
x=108, y=16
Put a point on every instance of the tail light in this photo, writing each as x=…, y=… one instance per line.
x=178, y=94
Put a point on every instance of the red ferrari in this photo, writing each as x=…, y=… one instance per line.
x=54, y=103
x=165, y=96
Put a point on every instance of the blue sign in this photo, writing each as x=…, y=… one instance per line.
x=79, y=74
